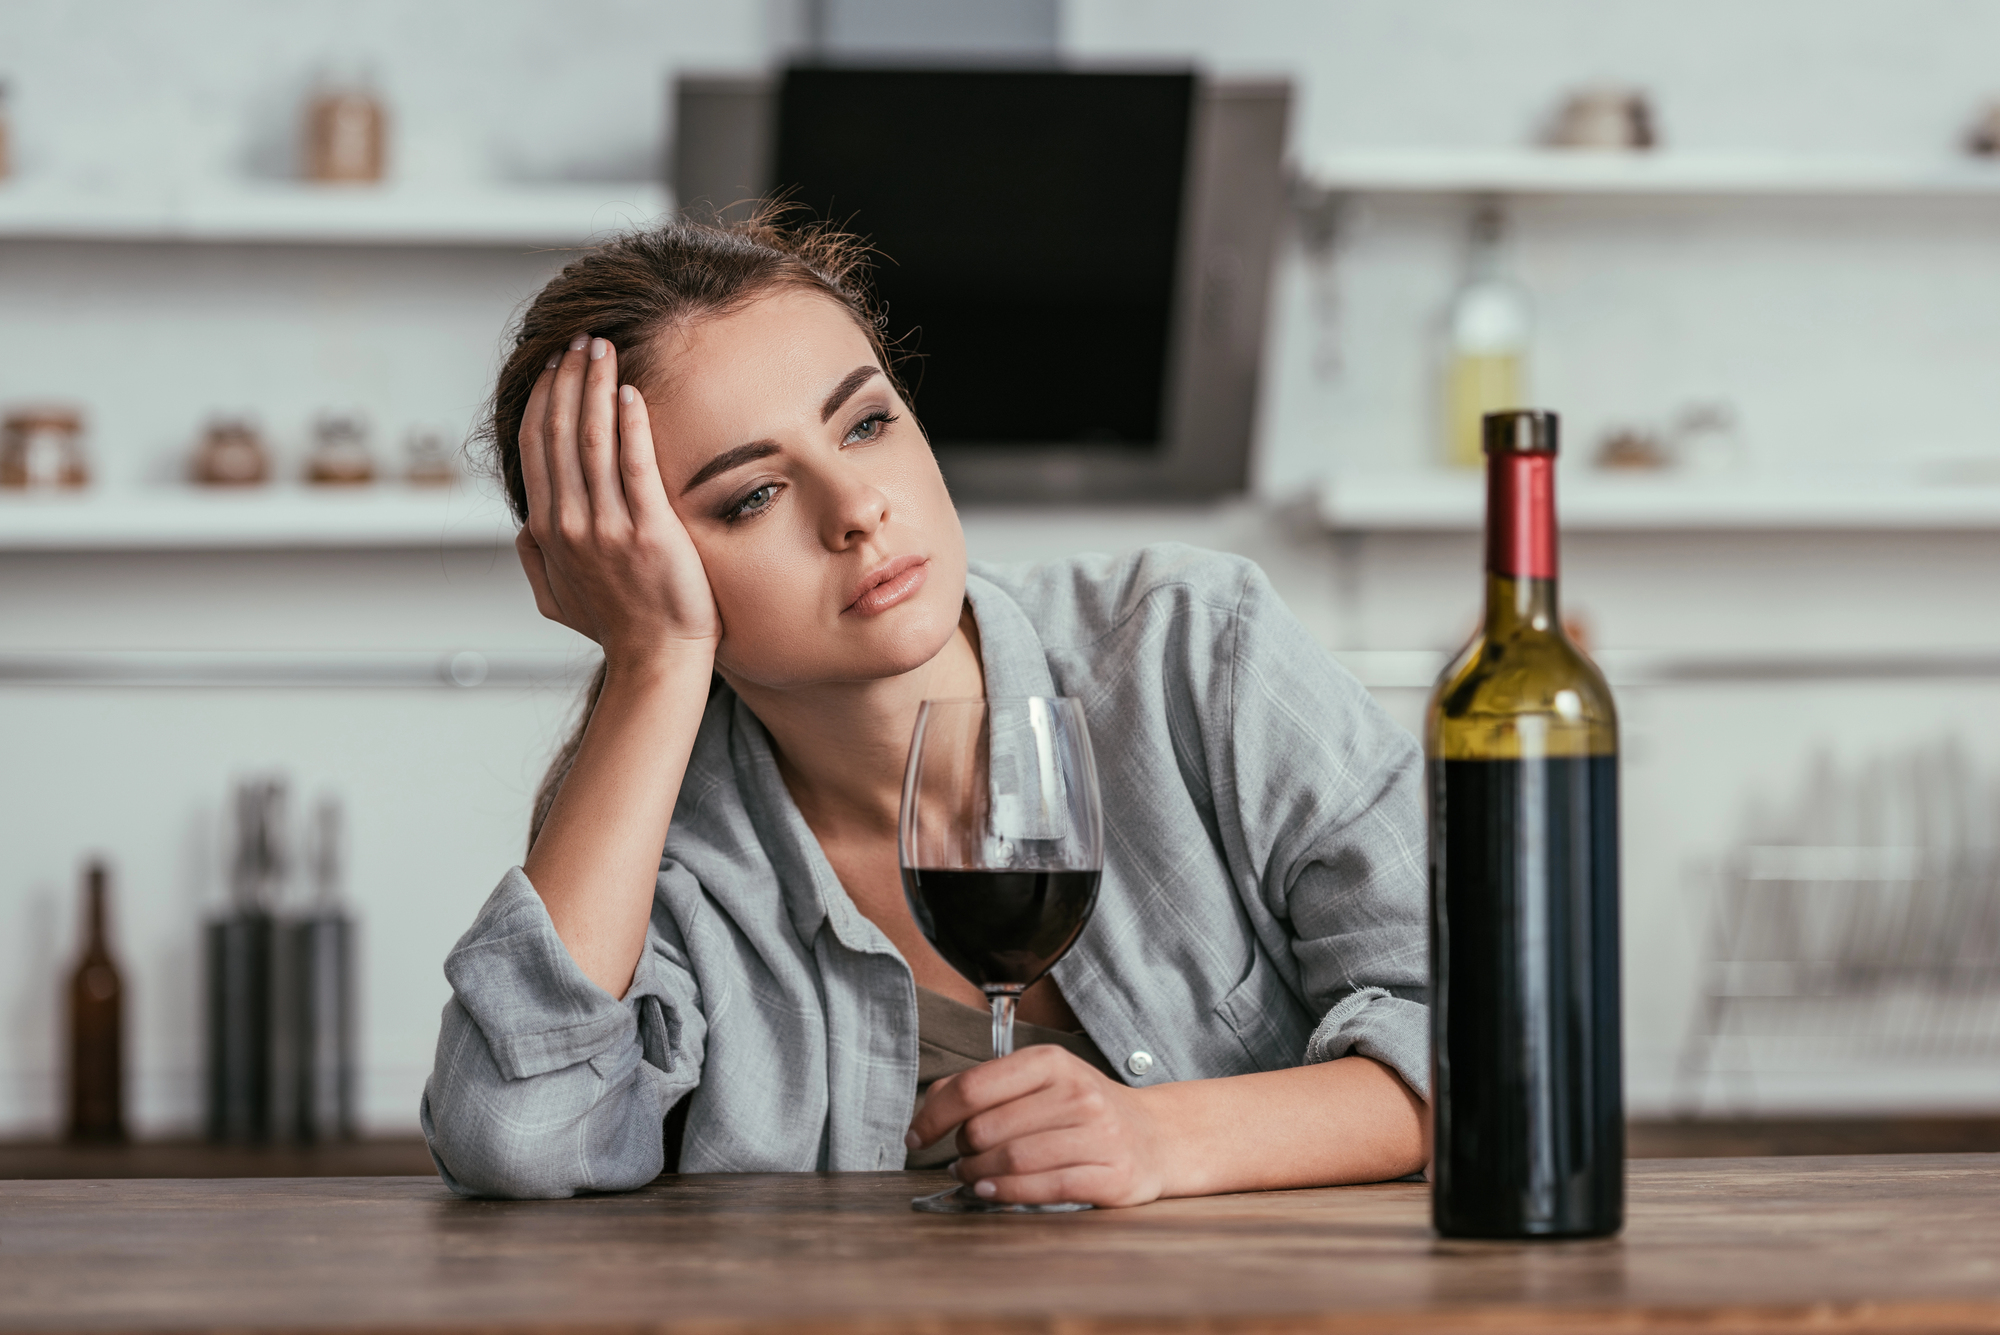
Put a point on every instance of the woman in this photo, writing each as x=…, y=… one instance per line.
x=722, y=484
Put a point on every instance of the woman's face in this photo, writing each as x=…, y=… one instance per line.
x=814, y=500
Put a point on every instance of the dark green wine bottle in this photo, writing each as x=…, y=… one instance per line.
x=1522, y=742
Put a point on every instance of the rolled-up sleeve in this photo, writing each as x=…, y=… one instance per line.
x=544, y=1083
x=1329, y=791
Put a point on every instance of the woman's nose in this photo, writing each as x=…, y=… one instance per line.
x=856, y=510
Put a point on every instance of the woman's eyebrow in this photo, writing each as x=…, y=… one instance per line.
x=728, y=459
x=844, y=391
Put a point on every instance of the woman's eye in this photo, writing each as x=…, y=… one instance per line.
x=869, y=428
x=759, y=499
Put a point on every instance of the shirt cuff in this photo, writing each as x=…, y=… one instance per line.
x=1372, y=1022
x=536, y=1009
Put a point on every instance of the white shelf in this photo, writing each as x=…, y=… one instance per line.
x=263, y=518
x=1449, y=502
x=1598, y=172
x=297, y=214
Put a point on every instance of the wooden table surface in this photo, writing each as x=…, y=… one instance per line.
x=1897, y=1243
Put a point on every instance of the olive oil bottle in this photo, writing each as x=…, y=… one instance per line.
x=1522, y=744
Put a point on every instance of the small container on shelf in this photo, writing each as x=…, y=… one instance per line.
x=1631, y=449
x=346, y=135
x=428, y=461
x=1608, y=117
x=340, y=456
x=42, y=447
x=231, y=454
x=1983, y=139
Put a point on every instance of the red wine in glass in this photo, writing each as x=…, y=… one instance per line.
x=1002, y=848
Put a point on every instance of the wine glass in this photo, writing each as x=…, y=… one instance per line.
x=1001, y=844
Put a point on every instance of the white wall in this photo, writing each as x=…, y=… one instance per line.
x=1846, y=335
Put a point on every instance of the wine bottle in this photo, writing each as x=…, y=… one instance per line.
x=96, y=1028
x=1522, y=744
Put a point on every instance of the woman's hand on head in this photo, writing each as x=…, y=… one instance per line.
x=605, y=552
x=1043, y=1125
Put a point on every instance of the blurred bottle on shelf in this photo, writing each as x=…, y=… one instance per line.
x=231, y=454
x=1487, y=329
x=96, y=1025
x=319, y=963
x=6, y=155
x=42, y=447
x=339, y=456
x=428, y=461
x=346, y=134
x=240, y=950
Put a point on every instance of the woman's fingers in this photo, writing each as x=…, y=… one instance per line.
x=638, y=466
x=534, y=452
x=1091, y=1184
x=987, y=1086
x=597, y=436
x=1046, y=1152
x=569, y=495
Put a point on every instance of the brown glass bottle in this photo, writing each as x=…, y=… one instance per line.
x=96, y=1028
x=1522, y=738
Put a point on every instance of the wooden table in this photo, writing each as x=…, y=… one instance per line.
x=1647, y=1138
x=1901, y=1243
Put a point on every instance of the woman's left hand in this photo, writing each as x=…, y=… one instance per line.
x=1043, y=1125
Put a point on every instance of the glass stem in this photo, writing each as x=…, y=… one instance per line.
x=1003, y=1020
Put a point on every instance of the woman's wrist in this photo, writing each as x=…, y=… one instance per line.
x=665, y=662
x=1186, y=1160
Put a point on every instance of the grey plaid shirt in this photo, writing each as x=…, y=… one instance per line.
x=1262, y=906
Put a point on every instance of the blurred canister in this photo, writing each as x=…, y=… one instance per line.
x=319, y=974
x=239, y=1027
x=42, y=446
x=1605, y=117
x=319, y=971
x=340, y=456
x=231, y=454
x=346, y=131
x=240, y=964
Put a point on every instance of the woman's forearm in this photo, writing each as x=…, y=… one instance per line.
x=1349, y=1120
x=597, y=858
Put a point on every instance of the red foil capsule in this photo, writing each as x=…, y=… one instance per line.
x=1521, y=514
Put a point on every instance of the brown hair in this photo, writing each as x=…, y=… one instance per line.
x=628, y=292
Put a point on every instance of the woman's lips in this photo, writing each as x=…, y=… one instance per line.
x=889, y=584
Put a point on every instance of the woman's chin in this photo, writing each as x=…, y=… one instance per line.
x=884, y=650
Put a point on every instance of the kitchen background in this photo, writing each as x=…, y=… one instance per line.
x=1804, y=629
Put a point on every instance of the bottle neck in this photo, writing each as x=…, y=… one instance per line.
x=1520, y=543
x=1517, y=605
x=96, y=944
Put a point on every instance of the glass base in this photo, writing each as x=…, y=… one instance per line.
x=960, y=1200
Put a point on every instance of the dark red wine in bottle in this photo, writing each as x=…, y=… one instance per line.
x=1000, y=928
x=96, y=1027
x=1522, y=743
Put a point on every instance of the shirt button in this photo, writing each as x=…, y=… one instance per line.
x=1139, y=1063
